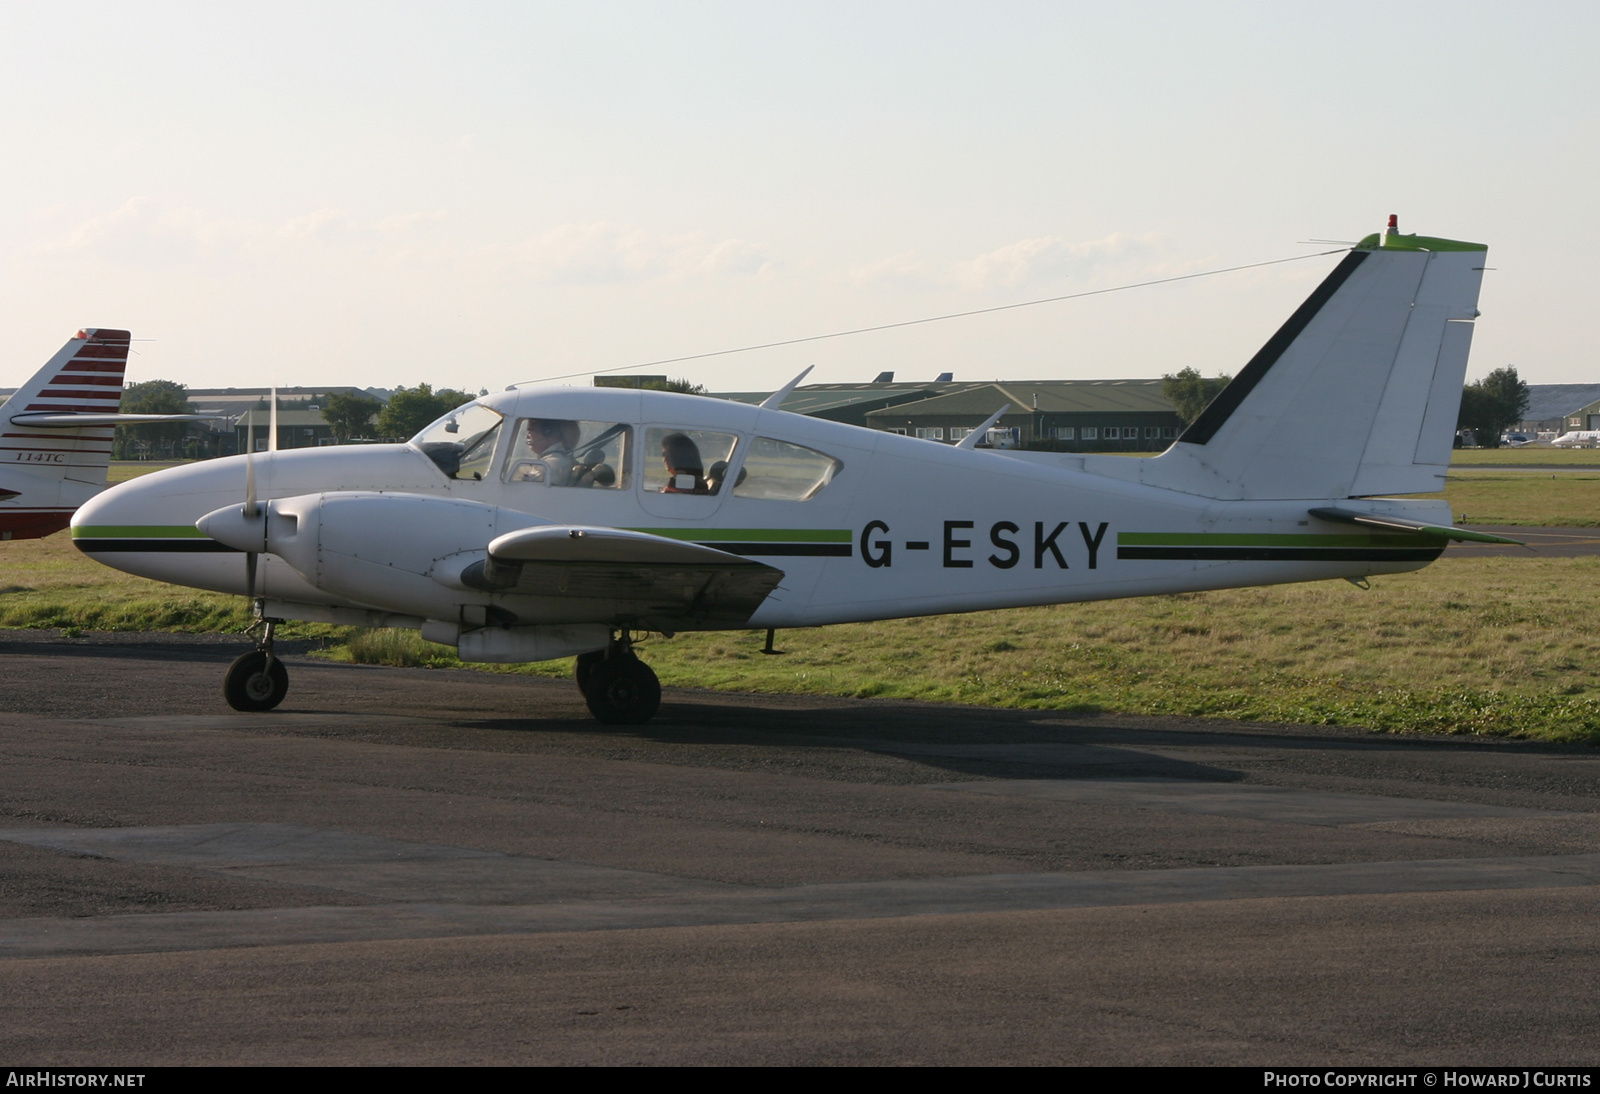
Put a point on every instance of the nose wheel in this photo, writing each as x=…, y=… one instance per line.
x=620, y=689
x=257, y=681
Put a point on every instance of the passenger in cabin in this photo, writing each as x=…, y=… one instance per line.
x=685, y=472
x=551, y=440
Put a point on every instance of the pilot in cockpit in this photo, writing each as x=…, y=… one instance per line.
x=551, y=440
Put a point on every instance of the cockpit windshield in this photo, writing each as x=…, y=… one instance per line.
x=462, y=442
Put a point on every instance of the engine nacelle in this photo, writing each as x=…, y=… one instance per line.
x=374, y=549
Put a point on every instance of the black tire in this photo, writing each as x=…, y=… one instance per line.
x=250, y=685
x=584, y=666
x=622, y=691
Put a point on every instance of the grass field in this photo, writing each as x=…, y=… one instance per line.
x=123, y=470
x=1525, y=457
x=1562, y=499
x=1466, y=646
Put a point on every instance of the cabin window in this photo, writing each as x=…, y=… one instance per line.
x=564, y=452
x=776, y=470
x=686, y=461
x=462, y=442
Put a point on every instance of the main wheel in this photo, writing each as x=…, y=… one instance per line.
x=250, y=685
x=585, y=665
x=622, y=691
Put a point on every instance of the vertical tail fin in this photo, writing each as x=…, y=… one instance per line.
x=1357, y=394
x=48, y=465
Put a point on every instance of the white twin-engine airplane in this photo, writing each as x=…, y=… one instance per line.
x=55, y=433
x=551, y=522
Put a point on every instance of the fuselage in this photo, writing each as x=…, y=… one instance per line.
x=864, y=524
x=36, y=497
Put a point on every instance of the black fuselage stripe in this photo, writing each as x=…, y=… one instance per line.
x=164, y=546
x=192, y=546
x=1285, y=554
x=1203, y=428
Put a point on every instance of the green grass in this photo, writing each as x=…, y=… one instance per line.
x=1481, y=646
x=1524, y=457
x=48, y=583
x=1562, y=499
x=123, y=470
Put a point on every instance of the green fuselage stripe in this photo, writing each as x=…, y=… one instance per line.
x=137, y=531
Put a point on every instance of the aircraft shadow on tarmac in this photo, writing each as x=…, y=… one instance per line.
x=968, y=741
x=996, y=744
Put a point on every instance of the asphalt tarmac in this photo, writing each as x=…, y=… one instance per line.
x=1538, y=542
x=408, y=866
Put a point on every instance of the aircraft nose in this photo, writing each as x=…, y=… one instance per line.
x=103, y=515
x=111, y=528
x=135, y=524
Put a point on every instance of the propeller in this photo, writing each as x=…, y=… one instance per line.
x=252, y=510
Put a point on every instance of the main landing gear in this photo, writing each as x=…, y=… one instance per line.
x=258, y=680
x=621, y=690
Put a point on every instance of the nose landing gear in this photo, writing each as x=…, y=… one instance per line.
x=620, y=689
x=257, y=681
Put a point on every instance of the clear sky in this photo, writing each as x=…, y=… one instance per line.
x=475, y=194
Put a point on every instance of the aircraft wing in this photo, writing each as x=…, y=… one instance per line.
x=665, y=584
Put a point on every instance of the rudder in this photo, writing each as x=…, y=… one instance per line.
x=1357, y=394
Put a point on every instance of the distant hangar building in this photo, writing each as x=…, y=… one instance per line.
x=1559, y=408
x=1071, y=415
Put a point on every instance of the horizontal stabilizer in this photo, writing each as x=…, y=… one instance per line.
x=74, y=421
x=1400, y=524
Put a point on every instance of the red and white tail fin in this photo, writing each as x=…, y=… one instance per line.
x=55, y=434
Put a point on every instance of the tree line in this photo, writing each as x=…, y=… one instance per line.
x=348, y=415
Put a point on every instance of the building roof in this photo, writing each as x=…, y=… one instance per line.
x=820, y=398
x=288, y=392
x=1546, y=401
x=286, y=419
x=1047, y=396
x=853, y=402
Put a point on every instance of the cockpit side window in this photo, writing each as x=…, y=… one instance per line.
x=462, y=442
x=564, y=452
x=779, y=471
x=686, y=461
